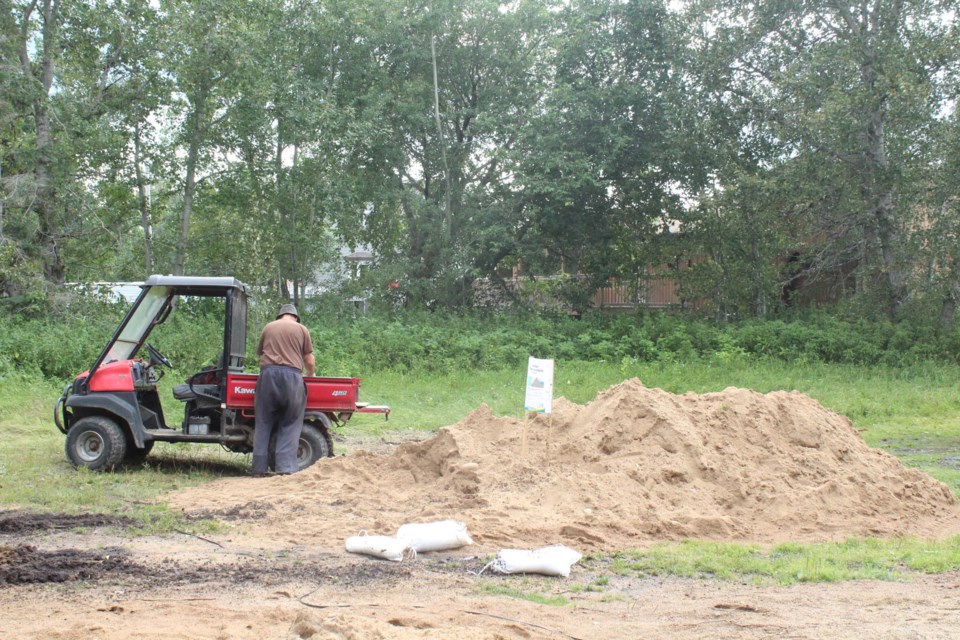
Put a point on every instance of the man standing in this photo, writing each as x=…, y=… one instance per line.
x=285, y=351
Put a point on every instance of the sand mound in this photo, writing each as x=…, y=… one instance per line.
x=634, y=466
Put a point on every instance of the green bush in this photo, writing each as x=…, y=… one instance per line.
x=66, y=340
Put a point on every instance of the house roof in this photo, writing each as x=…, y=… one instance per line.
x=361, y=255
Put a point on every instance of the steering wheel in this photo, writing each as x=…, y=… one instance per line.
x=159, y=358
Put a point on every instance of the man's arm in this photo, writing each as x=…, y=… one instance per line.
x=309, y=364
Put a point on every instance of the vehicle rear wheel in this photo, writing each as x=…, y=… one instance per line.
x=96, y=442
x=314, y=444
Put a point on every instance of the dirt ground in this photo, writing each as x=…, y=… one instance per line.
x=99, y=583
x=633, y=467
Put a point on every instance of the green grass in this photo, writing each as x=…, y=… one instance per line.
x=534, y=594
x=879, y=398
x=790, y=563
x=35, y=474
x=913, y=413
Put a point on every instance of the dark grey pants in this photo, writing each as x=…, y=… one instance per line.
x=280, y=401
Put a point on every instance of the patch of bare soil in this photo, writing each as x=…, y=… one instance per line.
x=14, y=521
x=185, y=588
x=635, y=466
x=24, y=563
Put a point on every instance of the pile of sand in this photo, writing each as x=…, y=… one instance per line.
x=634, y=466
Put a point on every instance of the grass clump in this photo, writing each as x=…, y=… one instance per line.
x=535, y=596
x=792, y=563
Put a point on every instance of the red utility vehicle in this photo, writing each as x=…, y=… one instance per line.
x=112, y=412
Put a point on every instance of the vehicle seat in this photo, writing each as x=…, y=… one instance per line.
x=183, y=393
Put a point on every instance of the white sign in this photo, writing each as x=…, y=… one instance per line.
x=539, y=395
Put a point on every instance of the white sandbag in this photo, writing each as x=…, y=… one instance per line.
x=435, y=536
x=379, y=546
x=549, y=561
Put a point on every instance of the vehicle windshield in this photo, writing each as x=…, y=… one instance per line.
x=238, y=331
x=141, y=321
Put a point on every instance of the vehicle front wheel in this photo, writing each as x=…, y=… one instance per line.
x=96, y=442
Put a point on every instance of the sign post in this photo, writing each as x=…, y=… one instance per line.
x=539, y=394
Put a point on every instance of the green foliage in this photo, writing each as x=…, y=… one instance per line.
x=63, y=340
x=783, y=146
x=251, y=138
x=439, y=343
x=829, y=339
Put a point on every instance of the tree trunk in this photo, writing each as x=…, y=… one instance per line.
x=756, y=265
x=3, y=200
x=447, y=209
x=49, y=234
x=189, y=189
x=949, y=308
x=144, y=202
x=46, y=196
x=880, y=199
x=878, y=190
x=196, y=134
x=284, y=257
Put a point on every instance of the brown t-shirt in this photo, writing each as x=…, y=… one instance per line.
x=285, y=343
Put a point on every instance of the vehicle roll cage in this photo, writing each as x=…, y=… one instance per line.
x=152, y=307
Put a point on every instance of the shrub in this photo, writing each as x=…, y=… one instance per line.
x=65, y=341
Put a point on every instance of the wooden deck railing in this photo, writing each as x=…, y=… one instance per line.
x=655, y=292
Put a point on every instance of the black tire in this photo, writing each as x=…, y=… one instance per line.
x=135, y=455
x=97, y=443
x=314, y=444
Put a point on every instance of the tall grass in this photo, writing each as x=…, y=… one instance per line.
x=61, y=343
